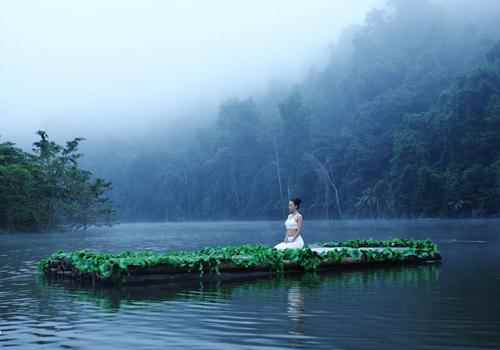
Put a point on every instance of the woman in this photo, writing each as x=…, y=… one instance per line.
x=293, y=224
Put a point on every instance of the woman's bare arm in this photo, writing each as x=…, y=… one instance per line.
x=300, y=224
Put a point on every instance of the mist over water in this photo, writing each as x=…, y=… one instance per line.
x=207, y=117
x=421, y=307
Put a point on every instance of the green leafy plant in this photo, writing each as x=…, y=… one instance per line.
x=426, y=244
x=209, y=260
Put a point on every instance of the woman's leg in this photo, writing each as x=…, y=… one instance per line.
x=300, y=242
x=281, y=246
x=297, y=244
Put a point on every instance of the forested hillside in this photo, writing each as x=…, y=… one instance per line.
x=403, y=121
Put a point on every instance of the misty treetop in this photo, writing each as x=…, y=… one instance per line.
x=403, y=121
x=47, y=190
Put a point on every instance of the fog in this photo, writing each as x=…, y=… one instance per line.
x=217, y=110
x=116, y=68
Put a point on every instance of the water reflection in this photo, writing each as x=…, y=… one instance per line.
x=445, y=306
x=296, y=315
x=112, y=299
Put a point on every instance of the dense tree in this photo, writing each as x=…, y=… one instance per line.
x=403, y=120
x=47, y=190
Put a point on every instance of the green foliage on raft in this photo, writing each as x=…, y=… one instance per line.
x=425, y=244
x=209, y=260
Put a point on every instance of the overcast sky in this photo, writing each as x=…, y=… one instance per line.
x=104, y=67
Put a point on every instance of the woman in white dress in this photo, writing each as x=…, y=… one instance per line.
x=293, y=225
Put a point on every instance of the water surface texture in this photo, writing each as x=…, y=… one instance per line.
x=454, y=305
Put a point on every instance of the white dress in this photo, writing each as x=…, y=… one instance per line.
x=291, y=223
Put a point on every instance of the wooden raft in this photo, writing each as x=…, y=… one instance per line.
x=138, y=275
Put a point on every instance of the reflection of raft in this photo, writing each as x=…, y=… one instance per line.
x=232, y=263
x=113, y=298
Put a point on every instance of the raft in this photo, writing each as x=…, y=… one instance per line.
x=232, y=263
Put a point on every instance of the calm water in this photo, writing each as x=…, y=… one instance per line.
x=455, y=305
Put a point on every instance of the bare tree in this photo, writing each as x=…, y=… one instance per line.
x=324, y=174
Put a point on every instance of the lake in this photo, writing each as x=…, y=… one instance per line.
x=452, y=305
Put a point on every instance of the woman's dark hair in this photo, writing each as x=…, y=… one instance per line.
x=297, y=202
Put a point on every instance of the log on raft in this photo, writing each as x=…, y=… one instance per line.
x=232, y=263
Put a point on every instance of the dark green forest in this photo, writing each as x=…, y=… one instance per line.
x=402, y=122
x=47, y=190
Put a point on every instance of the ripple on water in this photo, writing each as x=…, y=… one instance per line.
x=445, y=307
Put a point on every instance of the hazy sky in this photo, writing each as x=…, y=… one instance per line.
x=104, y=67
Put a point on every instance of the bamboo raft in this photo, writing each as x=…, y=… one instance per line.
x=236, y=268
